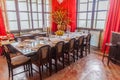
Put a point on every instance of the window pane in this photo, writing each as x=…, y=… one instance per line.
x=83, y=7
x=39, y=1
x=47, y=2
x=30, y=24
x=22, y=0
x=100, y=24
x=90, y=7
x=103, y=5
x=95, y=15
x=90, y=0
x=34, y=16
x=47, y=20
x=22, y=6
x=89, y=15
x=47, y=8
x=33, y=1
x=24, y=25
x=82, y=23
x=40, y=24
x=34, y=7
x=13, y=25
x=83, y=0
x=48, y=23
x=88, y=23
x=10, y=5
x=40, y=16
x=23, y=16
x=39, y=8
x=82, y=15
x=102, y=15
x=96, y=6
x=35, y=24
x=47, y=16
x=11, y=15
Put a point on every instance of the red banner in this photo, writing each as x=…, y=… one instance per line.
x=70, y=6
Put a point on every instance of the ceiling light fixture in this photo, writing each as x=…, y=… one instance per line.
x=59, y=1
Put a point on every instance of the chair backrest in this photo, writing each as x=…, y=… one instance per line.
x=7, y=55
x=88, y=38
x=44, y=54
x=59, y=48
x=71, y=44
x=80, y=41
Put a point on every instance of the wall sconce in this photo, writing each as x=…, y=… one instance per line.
x=59, y=1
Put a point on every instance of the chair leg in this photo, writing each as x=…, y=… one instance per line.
x=63, y=61
x=89, y=48
x=77, y=53
x=108, y=61
x=104, y=54
x=56, y=65
x=9, y=71
x=86, y=50
x=42, y=68
x=40, y=74
x=24, y=67
x=68, y=58
x=50, y=68
x=12, y=74
x=74, y=56
x=28, y=68
x=31, y=69
x=81, y=53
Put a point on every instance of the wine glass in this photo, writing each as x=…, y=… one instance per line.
x=19, y=40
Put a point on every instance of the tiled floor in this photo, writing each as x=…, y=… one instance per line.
x=87, y=68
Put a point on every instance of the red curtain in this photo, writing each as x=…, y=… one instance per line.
x=2, y=27
x=113, y=21
x=70, y=6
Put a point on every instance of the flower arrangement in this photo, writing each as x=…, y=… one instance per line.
x=60, y=17
x=59, y=33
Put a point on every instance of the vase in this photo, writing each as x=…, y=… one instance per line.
x=61, y=27
x=58, y=27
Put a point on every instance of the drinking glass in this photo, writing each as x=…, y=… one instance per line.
x=19, y=40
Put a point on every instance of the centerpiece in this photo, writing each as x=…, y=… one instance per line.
x=60, y=17
x=59, y=33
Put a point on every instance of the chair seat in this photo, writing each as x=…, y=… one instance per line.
x=14, y=54
x=21, y=59
x=110, y=44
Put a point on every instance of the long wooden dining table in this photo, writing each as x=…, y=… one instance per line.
x=29, y=47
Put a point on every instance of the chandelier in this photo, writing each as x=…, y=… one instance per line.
x=60, y=1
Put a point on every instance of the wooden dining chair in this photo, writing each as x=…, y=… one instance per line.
x=43, y=58
x=70, y=50
x=17, y=61
x=79, y=46
x=59, y=54
x=87, y=43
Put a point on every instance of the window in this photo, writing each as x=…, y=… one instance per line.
x=28, y=14
x=92, y=13
x=11, y=12
x=24, y=14
x=47, y=13
x=100, y=14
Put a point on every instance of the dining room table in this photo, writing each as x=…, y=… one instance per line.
x=29, y=47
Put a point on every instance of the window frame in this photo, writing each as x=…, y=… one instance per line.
x=30, y=14
x=93, y=15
